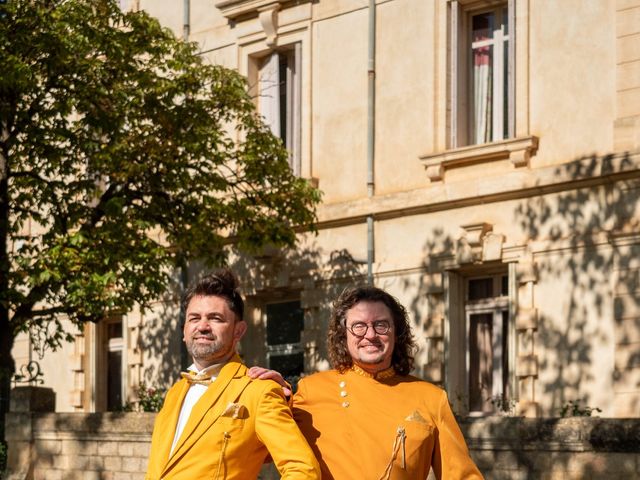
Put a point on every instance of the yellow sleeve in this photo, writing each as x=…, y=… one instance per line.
x=297, y=398
x=277, y=430
x=451, y=458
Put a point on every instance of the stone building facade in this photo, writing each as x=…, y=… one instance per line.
x=479, y=159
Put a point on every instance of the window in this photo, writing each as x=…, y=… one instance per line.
x=279, y=98
x=109, y=367
x=483, y=74
x=487, y=320
x=487, y=114
x=114, y=365
x=285, y=322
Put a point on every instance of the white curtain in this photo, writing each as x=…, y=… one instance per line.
x=269, y=92
x=482, y=94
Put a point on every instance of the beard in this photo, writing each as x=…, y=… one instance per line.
x=216, y=349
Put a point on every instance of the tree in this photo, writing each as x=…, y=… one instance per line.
x=122, y=155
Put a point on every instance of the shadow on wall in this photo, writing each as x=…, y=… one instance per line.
x=275, y=275
x=590, y=233
x=161, y=339
x=308, y=274
x=520, y=448
x=583, y=233
x=78, y=445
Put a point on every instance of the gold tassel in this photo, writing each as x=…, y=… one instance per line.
x=398, y=443
x=224, y=447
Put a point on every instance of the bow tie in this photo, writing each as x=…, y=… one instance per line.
x=197, y=378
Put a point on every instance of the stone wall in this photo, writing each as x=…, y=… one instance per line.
x=115, y=446
x=573, y=448
x=78, y=446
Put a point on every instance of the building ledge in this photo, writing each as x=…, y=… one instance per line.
x=517, y=150
x=232, y=9
x=516, y=183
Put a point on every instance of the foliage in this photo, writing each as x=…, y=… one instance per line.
x=3, y=458
x=150, y=399
x=122, y=155
x=120, y=162
x=503, y=404
x=573, y=409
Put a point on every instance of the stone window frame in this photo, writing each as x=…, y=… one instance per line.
x=269, y=103
x=89, y=358
x=480, y=251
x=452, y=78
x=272, y=38
x=283, y=349
x=462, y=13
x=495, y=305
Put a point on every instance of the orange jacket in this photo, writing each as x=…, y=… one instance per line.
x=230, y=431
x=392, y=428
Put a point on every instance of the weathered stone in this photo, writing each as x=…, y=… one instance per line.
x=615, y=435
x=112, y=464
x=68, y=446
x=32, y=399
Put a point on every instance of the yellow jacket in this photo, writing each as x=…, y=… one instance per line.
x=230, y=431
x=391, y=427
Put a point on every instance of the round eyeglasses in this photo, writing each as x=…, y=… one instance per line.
x=359, y=329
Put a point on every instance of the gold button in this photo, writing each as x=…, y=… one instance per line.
x=342, y=384
x=345, y=404
x=343, y=393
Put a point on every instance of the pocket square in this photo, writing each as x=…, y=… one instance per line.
x=234, y=410
x=416, y=417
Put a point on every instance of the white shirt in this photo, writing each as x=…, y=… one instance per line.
x=191, y=398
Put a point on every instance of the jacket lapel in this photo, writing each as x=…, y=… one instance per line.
x=196, y=425
x=167, y=421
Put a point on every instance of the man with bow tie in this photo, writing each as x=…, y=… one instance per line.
x=216, y=422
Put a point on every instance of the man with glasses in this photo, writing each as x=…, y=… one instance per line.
x=368, y=418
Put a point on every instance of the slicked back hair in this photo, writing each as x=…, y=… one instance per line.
x=402, y=357
x=221, y=283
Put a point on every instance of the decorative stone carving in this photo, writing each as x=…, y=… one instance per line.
x=269, y=20
x=492, y=247
x=475, y=233
x=470, y=245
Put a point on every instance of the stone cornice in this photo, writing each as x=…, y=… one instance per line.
x=514, y=184
x=232, y=9
x=517, y=150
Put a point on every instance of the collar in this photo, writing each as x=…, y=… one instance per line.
x=211, y=370
x=381, y=375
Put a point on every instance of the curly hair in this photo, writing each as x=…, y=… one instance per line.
x=402, y=357
x=221, y=283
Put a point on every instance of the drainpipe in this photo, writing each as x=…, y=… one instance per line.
x=371, y=90
x=184, y=269
x=186, y=24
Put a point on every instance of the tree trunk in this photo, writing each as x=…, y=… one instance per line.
x=7, y=368
x=7, y=365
